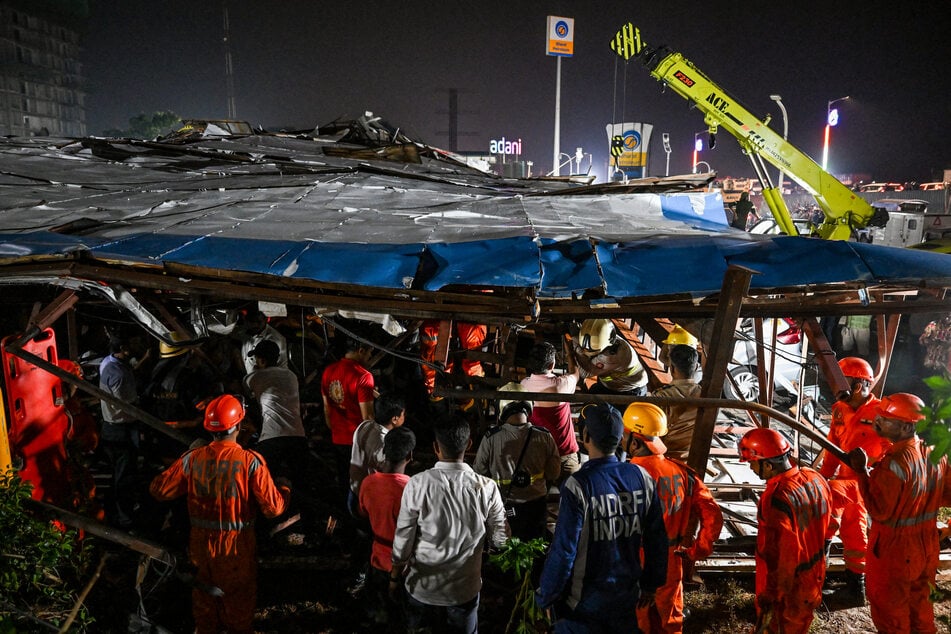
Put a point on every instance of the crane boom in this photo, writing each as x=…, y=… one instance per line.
x=844, y=210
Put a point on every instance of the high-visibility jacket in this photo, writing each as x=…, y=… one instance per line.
x=793, y=516
x=686, y=502
x=226, y=485
x=471, y=337
x=903, y=494
x=851, y=429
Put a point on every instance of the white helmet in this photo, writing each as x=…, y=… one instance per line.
x=596, y=334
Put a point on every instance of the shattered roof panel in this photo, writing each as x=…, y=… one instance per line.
x=279, y=206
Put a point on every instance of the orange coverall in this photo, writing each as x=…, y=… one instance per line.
x=686, y=501
x=225, y=484
x=851, y=429
x=793, y=518
x=903, y=494
x=471, y=337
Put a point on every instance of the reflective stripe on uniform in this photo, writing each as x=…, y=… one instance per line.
x=215, y=525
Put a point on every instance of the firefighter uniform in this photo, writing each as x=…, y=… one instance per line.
x=685, y=500
x=793, y=518
x=851, y=429
x=471, y=337
x=226, y=485
x=903, y=494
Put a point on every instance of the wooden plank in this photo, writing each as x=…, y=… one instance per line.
x=736, y=284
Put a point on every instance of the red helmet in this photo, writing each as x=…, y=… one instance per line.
x=761, y=444
x=901, y=406
x=70, y=366
x=856, y=368
x=223, y=413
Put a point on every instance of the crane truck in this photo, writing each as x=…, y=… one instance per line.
x=845, y=212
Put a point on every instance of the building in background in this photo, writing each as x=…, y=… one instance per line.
x=41, y=82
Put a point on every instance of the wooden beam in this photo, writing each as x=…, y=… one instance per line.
x=736, y=283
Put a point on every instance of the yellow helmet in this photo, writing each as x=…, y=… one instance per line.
x=678, y=336
x=645, y=419
x=167, y=351
x=596, y=334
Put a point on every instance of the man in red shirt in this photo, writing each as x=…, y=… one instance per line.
x=903, y=492
x=793, y=516
x=226, y=485
x=851, y=428
x=380, y=496
x=348, y=394
x=686, y=502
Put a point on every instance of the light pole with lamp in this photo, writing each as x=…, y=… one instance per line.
x=665, y=137
x=779, y=102
x=697, y=147
x=832, y=118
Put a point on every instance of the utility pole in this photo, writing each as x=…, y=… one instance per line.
x=453, y=132
x=229, y=69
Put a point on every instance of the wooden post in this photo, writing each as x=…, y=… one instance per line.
x=736, y=284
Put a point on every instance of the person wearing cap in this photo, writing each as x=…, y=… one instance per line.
x=522, y=459
x=686, y=501
x=610, y=519
x=793, y=517
x=256, y=329
x=226, y=485
x=851, y=428
x=903, y=492
x=681, y=419
x=554, y=416
x=282, y=439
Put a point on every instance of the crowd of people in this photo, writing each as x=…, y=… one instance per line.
x=632, y=516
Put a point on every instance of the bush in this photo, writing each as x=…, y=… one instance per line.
x=41, y=566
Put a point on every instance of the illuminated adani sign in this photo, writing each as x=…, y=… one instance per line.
x=561, y=36
x=502, y=146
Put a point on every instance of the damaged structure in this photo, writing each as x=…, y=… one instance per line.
x=357, y=219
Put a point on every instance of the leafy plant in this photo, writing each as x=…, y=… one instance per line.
x=40, y=565
x=519, y=557
x=935, y=429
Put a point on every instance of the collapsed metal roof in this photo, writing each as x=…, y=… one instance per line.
x=404, y=225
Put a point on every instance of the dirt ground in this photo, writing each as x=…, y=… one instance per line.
x=301, y=592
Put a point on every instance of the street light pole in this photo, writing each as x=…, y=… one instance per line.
x=779, y=102
x=697, y=148
x=832, y=118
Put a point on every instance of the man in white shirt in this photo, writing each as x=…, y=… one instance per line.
x=282, y=441
x=257, y=330
x=446, y=515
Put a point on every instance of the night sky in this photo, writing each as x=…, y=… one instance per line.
x=299, y=64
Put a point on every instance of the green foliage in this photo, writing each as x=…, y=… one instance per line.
x=519, y=557
x=935, y=429
x=148, y=126
x=40, y=565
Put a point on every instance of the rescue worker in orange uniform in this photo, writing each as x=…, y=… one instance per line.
x=226, y=486
x=903, y=492
x=686, y=502
x=793, y=515
x=851, y=428
x=471, y=337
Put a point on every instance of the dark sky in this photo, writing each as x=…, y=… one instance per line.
x=303, y=63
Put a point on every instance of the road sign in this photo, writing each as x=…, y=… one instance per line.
x=561, y=36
